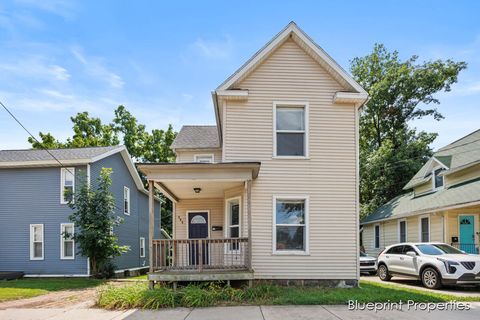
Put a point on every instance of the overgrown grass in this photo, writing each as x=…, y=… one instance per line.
x=27, y=288
x=213, y=294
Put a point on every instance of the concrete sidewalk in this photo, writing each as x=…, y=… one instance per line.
x=238, y=313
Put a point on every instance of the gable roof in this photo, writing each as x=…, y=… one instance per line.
x=197, y=137
x=28, y=158
x=456, y=156
x=313, y=49
x=407, y=204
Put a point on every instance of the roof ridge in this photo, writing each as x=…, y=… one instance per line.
x=449, y=146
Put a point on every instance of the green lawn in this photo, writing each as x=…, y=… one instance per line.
x=26, y=288
x=138, y=296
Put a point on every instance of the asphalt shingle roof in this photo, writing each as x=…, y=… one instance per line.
x=193, y=137
x=60, y=154
x=409, y=204
x=457, y=154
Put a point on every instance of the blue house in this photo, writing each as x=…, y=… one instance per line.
x=34, y=209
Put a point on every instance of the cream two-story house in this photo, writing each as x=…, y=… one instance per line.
x=442, y=203
x=271, y=191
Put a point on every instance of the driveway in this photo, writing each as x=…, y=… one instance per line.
x=417, y=284
x=240, y=313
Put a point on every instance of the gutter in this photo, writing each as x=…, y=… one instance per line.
x=217, y=116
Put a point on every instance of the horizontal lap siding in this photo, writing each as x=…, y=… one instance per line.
x=32, y=196
x=328, y=177
x=189, y=156
x=215, y=206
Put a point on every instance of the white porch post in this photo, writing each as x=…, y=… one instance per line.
x=151, y=223
x=249, y=214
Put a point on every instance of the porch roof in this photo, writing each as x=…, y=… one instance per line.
x=178, y=180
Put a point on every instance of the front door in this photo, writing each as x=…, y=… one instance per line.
x=198, y=229
x=467, y=233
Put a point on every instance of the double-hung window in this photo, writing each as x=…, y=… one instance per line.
x=142, y=247
x=291, y=130
x=376, y=236
x=402, y=230
x=233, y=223
x=36, y=242
x=424, y=229
x=67, y=244
x=126, y=200
x=67, y=188
x=291, y=221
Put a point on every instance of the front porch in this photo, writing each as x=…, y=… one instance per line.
x=461, y=228
x=211, y=221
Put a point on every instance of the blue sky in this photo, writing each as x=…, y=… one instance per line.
x=161, y=59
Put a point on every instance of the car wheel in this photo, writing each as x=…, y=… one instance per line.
x=383, y=273
x=372, y=273
x=431, y=279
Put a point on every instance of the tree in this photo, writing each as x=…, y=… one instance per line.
x=94, y=216
x=47, y=141
x=391, y=152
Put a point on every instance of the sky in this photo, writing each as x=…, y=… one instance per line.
x=162, y=59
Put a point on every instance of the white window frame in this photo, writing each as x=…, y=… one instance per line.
x=32, y=226
x=63, y=240
x=306, y=131
x=433, y=179
x=227, y=221
x=375, y=236
x=420, y=228
x=209, y=155
x=406, y=230
x=306, y=224
x=62, y=183
x=142, y=247
x=127, y=189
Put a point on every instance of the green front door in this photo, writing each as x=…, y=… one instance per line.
x=467, y=234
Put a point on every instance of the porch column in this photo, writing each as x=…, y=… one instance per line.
x=249, y=214
x=151, y=223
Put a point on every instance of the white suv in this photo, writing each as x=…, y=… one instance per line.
x=436, y=264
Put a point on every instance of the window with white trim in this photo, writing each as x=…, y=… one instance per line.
x=290, y=224
x=126, y=200
x=36, y=242
x=437, y=178
x=233, y=222
x=67, y=244
x=376, y=237
x=142, y=247
x=203, y=158
x=290, y=131
x=67, y=188
x=402, y=230
x=425, y=229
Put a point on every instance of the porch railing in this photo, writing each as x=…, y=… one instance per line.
x=200, y=254
x=467, y=247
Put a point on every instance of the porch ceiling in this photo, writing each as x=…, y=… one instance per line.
x=178, y=180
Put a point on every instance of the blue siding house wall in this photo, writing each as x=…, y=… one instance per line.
x=32, y=195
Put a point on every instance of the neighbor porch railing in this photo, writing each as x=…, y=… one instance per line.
x=467, y=247
x=200, y=254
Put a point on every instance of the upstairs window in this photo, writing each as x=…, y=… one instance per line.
x=290, y=131
x=67, y=188
x=203, y=158
x=126, y=200
x=437, y=178
x=67, y=244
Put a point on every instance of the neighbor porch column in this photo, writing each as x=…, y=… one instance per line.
x=151, y=223
x=249, y=214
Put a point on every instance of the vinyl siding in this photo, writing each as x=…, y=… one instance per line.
x=424, y=187
x=189, y=156
x=464, y=175
x=135, y=225
x=32, y=196
x=327, y=177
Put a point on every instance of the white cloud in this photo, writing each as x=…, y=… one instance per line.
x=37, y=67
x=63, y=8
x=95, y=67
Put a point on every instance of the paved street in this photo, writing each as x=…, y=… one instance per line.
x=238, y=313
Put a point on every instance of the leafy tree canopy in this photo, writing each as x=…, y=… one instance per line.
x=391, y=151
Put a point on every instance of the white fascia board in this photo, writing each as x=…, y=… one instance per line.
x=351, y=97
x=233, y=94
